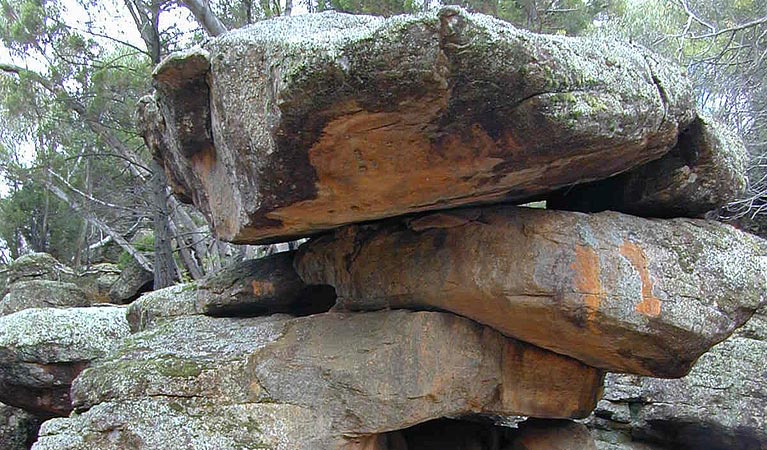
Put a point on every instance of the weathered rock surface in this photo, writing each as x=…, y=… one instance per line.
x=262, y=286
x=18, y=428
x=97, y=280
x=301, y=124
x=614, y=291
x=720, y=405
x=705, y=171
x=311, y=382
x=132, y=282
x=41, y=294
x=36, y=266
x=43, y=350
x=552, y=435
x=163, y=304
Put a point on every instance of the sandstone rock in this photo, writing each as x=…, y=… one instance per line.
x=36, y=266
x=262, y=286
x=163, y=304
x=43, y=350
x=133, y=281
x=41, y=294
x=720, y=405
x=18, y=428
x=97, y=280
x=614, y=291
x=300, y=124
x=328, y=377
x=705, y=171
x=552, y=435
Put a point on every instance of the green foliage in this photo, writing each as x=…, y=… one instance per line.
x=144, y=244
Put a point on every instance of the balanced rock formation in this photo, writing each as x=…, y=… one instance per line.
x=614, y=291
x=43, y=350
x=297, y=125
x=705, y=171
x=343, y=124
x=720, y=405
x=41, y=294
x=327, y=381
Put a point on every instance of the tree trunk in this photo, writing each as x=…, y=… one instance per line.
x=165, y=272
x=202, y=12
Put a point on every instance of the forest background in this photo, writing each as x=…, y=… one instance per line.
x=78, y=182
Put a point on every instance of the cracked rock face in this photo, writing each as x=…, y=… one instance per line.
x=617, y=292
x=705, y=171
x=301, y=124
x=43, y=350
x=720, y=405
x=293, y=383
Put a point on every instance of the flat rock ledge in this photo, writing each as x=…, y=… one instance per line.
x=301, y=124
x=327, y=381
x=617, y=292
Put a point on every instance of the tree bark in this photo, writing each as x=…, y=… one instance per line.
x=204, y=15
x=165, y=271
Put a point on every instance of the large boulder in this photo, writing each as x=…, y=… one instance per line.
x=132, y=282
x=97, y=280
x=262, y=286
x=41, y=294
x=163, y=304
x=300, y=124
x=320, y=382
x=43, y=350
x=615, y=291
x=704, y=172
x=720, y=405
x=36, y=266
x=18, y=428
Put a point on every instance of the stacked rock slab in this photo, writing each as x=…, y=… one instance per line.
x=303, y=125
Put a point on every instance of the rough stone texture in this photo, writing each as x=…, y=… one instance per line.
x=133, y=281
x=43, y=350
x=552, y=435
x=36, y=266
x=331, y=377
x=41, y=294
x=163, y=304
x=18, y=428
x=720, y=405
x=614, y=291
x=262, y=286
x=705, y=171
x=97, y=280
x=301, y=124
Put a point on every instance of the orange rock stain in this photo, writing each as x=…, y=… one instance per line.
x=650, y=305
x=587, y=282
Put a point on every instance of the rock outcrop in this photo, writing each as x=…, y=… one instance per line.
x=614, y=291
x=323, y=381
x=36, y=266
x=705, y=171
x=720, y=405
x=43, y=350
x=342, y=125
x=41, y=294
x=425, y=112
